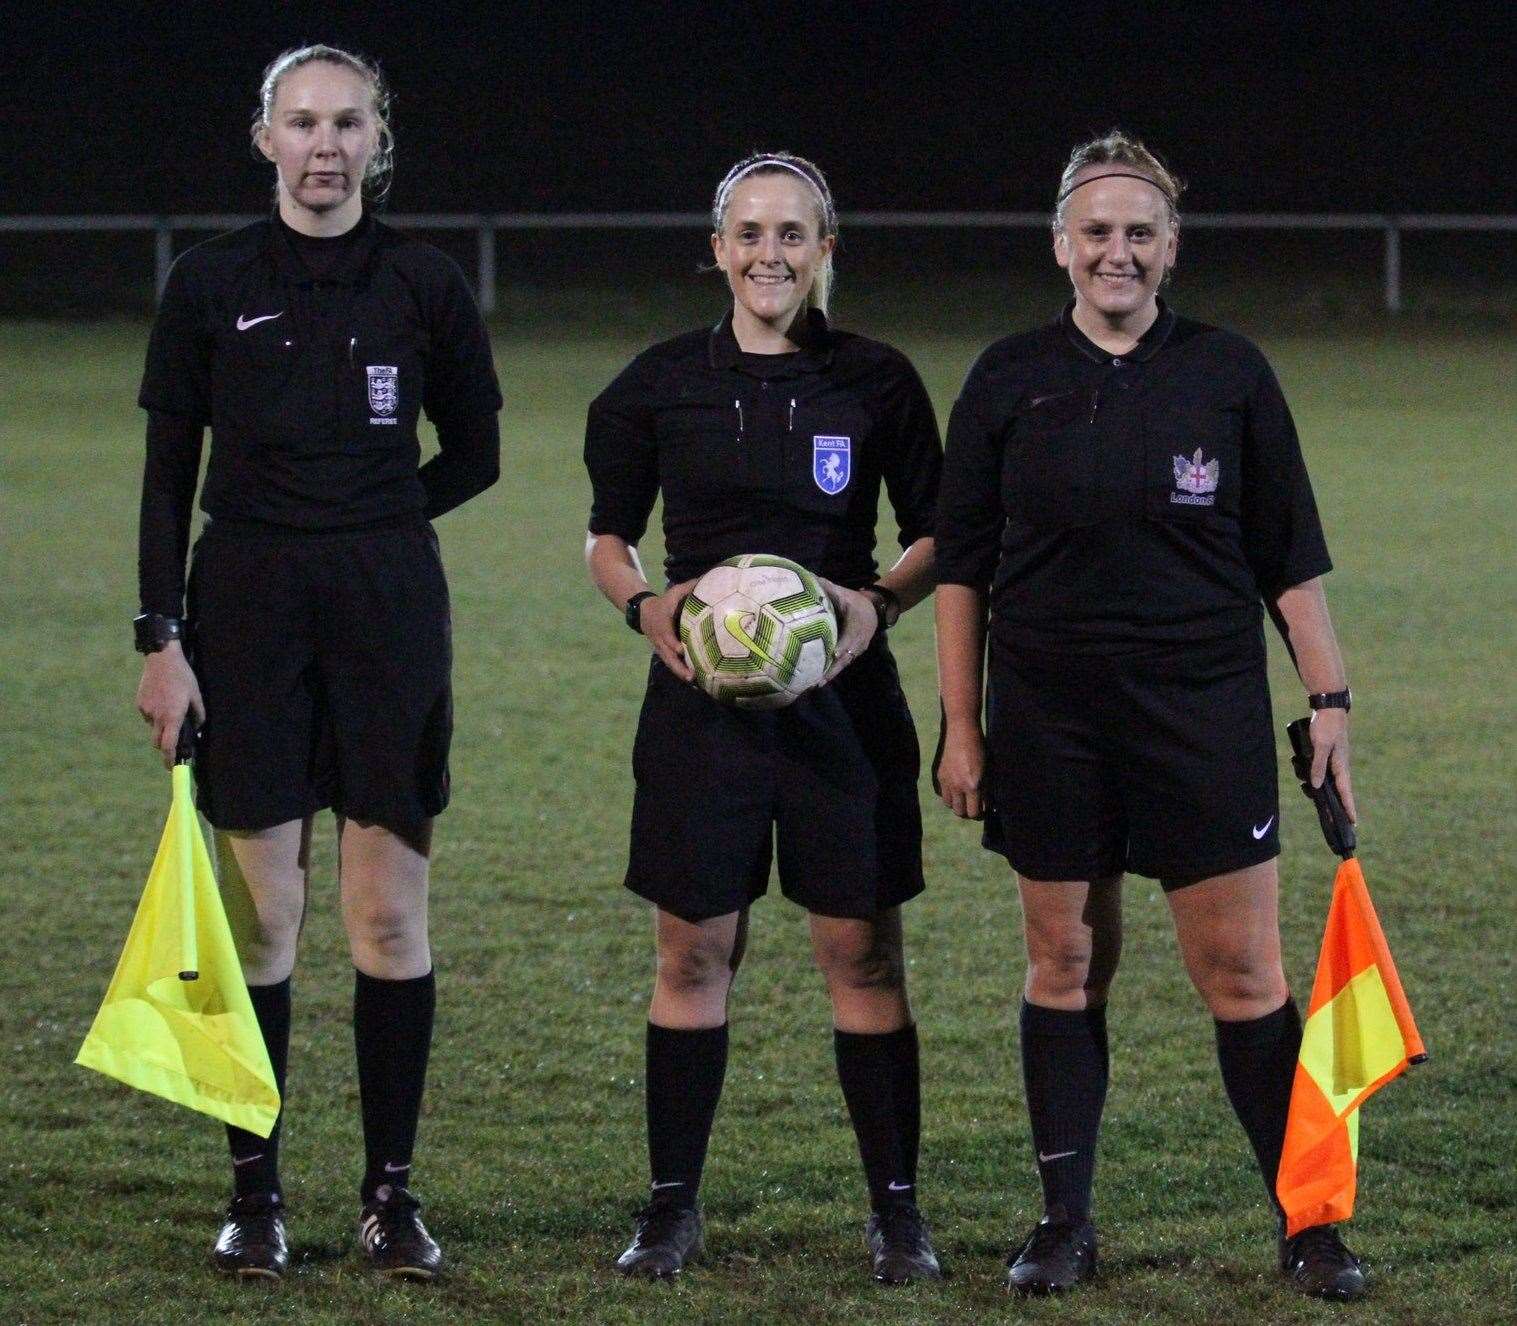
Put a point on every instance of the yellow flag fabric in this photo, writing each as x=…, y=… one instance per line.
x=195, y=1042
x=1359, y=1034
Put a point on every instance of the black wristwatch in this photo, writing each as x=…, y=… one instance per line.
x=887, y=605
x=153, y=631
x=634, y=610
x=1331, y=700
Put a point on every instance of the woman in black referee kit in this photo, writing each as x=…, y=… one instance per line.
x=316, y=647
x=1122, y=487
x=725, y=422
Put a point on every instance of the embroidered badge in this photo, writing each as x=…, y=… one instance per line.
x=1196, y=480
x=384, y=391
x=831, y=463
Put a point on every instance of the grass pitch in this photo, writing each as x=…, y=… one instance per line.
x=531, y=1154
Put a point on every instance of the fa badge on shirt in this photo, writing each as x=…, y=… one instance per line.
x=830, y=463
x=384, y=392
x=1196, y=480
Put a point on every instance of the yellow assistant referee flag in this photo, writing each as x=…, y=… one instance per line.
x=1359, y=1034
x=177, y=1020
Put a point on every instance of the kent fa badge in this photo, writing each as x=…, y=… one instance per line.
x=830, y=463
x=384, y=391
x=1196, y=480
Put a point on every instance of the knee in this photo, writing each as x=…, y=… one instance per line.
x=695, y=969
x=860, y=965
x=1239, y=982
x=1059, y=964
x=276, y=916
x=387, y=930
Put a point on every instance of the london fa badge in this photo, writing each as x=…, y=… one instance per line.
x=831, y=463
x=384, y=392
x=1196, y=480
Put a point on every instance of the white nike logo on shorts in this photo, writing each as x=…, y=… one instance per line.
x=244, y=323
x=1261, y=829
x=899, y=1187
x=1057, y=1155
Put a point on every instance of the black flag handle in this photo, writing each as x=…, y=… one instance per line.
x=184, y=748
x=1337, y=828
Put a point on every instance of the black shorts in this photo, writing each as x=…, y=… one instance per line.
x=1160, y=763
x=324, y=660
x=831, y=780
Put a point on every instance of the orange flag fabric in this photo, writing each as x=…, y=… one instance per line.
x=1359, y=1034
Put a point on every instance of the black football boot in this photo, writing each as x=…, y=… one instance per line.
x=252, y=1242
x=394, y=1239
x=665, y=1237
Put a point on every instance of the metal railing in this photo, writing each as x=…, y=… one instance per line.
x=485, y=225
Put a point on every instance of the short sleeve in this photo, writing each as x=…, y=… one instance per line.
x=177, y=377
x=970, y=518
x=621, y=453
x=912, y=464
x=1282, y=535
x=460, y=371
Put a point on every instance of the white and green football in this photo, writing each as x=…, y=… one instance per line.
x=759, y=631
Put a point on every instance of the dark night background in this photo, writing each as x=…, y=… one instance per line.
x=1326, y=107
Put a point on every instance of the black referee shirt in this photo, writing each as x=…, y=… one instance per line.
x=1107, y=503
x=312, y=375
x=776, y=454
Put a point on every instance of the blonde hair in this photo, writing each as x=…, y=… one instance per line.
x=786, y=163
x=1117, y=149
x=381, y=166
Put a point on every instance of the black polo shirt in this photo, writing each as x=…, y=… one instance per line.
x=779, y=454
x=312, y=383
x=1106, y=503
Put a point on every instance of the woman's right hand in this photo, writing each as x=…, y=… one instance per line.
x=167, y=693
x=659, y=620
x=961, y=771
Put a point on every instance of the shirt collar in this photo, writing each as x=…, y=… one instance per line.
x=811, y=334
x=347, y=270
x=1149, y=344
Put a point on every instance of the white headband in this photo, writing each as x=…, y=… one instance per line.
x=764, y=163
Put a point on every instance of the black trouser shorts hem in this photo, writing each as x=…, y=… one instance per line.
x=826, y=789
x=1160, y=763
x=324, y=661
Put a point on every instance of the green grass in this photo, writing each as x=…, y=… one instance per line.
x=532, y=1150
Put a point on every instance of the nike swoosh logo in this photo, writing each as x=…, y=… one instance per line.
x=677, y=1183
x=247, y=1160
x=395, y=1169
x=899, y=1187
x=1261, y=829
x=734, y=624
x=1057, y=1155
x=244, y=323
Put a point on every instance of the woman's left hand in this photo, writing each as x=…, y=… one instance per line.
x=857, y=622
x=1330, y=754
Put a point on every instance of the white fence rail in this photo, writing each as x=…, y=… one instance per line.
x=1390, y=227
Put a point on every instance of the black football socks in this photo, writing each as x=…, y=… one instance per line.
x=1258, y=1059
x=881, y=1081
x=1065, y=1066
x=255, y=1160
x=685, y=1071
x=392, y=1032
x=908, y=1096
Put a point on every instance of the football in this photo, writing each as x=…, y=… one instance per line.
x=759, y=631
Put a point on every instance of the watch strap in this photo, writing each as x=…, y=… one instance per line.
x=633, y=611
x=1331, y=700
x=151, y=631
x=887, y=604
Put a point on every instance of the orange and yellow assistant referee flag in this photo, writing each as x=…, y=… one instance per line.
x=177, y=1019
x=1359, y=1034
